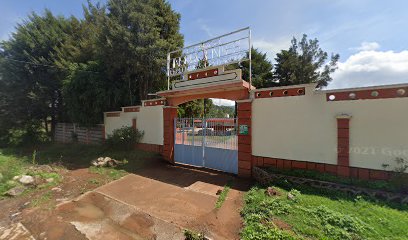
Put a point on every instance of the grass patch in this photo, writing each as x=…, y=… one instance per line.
x=15, y=161
x=317, y=215
x=223, y=195
x=10, y=166
x=94, y=181
x=77, y=155
x=46, y=197
x=111, y=173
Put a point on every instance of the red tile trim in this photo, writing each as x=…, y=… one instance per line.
x=368, y=94
x=131, y=109
x=150, y=147
x=203, y=74
x=154, y=103
x=287, y=92
x=343, y=171
x=113, y=114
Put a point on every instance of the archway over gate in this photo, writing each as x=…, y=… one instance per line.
x=238, y=90
x=211, y=69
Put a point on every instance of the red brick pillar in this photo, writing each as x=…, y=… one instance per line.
x=134, y=126
x=244, y=140
x=169, y=114
x=343, y=145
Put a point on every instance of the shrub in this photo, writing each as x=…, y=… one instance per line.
x=124, y=138
x=399, y=178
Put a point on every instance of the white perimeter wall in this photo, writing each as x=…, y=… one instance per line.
x=149, y=120
x=304, y=128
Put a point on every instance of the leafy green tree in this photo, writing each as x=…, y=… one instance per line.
x=261, y=70
x=136, y=36
x=221, y=111
x=126, y=43
x=195, y=108
x=304, y=62
x=31, y=81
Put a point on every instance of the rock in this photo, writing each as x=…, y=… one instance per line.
x=105, y=162
x=42, y=235
x=56, y=189
x=291, y=197
x=15, y=214
x=26, y=179
x=62, y=199
x=15, y=191
x=270, y=191
x=49, y=180
x=15, y=178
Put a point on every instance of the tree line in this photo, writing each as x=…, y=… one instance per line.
x=64, y=69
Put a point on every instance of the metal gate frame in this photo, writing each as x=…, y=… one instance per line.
x=210, y=143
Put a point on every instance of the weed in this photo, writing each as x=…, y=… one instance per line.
x=192, y=235
x=112, y=173
x=223, y=195
x=42, y=199
x=94, y=181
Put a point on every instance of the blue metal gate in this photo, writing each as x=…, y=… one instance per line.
x=210, y=143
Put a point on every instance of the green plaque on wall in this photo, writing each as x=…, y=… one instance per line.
x=243, y=129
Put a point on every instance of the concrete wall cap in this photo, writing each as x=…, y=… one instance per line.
x=343, y=116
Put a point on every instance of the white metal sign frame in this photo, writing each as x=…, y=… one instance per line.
x=230, y=48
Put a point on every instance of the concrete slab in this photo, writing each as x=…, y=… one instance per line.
x=184, y=207
x=99, y=217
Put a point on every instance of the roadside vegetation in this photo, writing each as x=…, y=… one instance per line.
x=223, y=195
x=60, y=157
x=308, y=213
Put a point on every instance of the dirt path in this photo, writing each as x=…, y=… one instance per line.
x=41, y=218
x=156, y=202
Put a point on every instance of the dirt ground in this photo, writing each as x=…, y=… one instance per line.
x=157, y=201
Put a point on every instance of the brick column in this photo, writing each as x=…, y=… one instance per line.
x=134, y=123
x=169, y=114
x=343, y=145
x=244, y=141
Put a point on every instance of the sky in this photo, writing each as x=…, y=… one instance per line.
x=370, y=35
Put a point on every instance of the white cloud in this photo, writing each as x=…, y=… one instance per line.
x=371, y=68
x=223, y=102
x=367, y=46
x=271, y=48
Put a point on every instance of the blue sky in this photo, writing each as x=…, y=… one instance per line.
x=370, y=35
